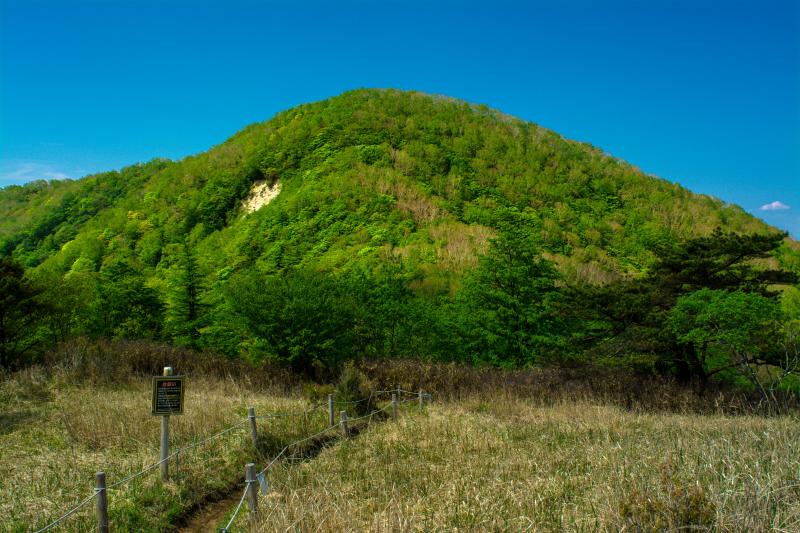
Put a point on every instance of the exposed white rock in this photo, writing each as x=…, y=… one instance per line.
x=261, y=193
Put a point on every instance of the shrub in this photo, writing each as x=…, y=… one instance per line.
x=318, y=393
x=681, y=504
x=353, y=393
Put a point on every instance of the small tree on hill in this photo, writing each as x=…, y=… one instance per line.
x=641, y=316
x=301, y=318
x=729, y=332
x=20, y=312
x=510, y=300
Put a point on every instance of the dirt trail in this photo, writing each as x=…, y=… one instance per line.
x=208, y=518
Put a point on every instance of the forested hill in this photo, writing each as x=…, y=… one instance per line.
x=362, y=173
x=365, y=181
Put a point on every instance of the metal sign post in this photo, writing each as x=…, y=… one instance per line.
x=167, y=400
x=165, y=438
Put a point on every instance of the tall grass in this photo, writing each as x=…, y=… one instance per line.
x=642, y=392
x=540, y=449
x=55, y=435
x=500, y=463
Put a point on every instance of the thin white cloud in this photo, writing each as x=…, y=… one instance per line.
x=23, y=172
x=777, y=205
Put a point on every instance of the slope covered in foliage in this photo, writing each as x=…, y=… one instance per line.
x=363, y=171
x=377, y=184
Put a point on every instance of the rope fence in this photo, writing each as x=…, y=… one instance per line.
x=140, y=473
x=251, y=483
x=176, y=453
x=290, y=414
x=238, y=507
x=69, y=513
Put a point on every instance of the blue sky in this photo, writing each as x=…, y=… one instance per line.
x=706, y=94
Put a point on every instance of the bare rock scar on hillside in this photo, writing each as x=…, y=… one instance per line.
x=261, y=193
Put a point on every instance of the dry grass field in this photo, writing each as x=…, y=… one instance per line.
x=55, y=436
x=501, y=464
x=522, y=451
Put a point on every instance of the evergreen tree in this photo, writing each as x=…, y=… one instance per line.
x=300, y=318
x=633, y=315
x=124, y=307
x=183, y=309
x=722, y=260
x=510, y=300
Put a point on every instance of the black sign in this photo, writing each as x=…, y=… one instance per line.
x=168, y=395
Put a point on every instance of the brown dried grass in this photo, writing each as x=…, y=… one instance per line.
x=498, y=463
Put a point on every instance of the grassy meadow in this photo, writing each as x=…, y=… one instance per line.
x=55, y=436
x=499, y=463
x=535, y=450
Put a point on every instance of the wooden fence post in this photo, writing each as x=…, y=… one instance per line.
x=331, y=417
x=252, y=489
x=343, y=424
x=420, y=398
x=251, y=414
x=102, y=502
x=165, y=438
x=394, y=407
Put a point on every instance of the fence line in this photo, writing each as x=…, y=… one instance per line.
x=238, y=507
x=291, y=413
x=318, y=434
x=196, y=444
x=280, y=454
x=203, y=441
x=145, y=470
x=141, y=472
x=187, y=447
x=370, y=414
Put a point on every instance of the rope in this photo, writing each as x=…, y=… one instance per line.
x=315, y=435
x=275, y=459
x=409, y=392
x=294, y=413
x=238, y=507
x=295, y=443
x=226, y=430
x=343, y=402
x=231, y=428
x=173, y=454
x=142, y=472
x=365, y=416
x=334, y=426
x=72, y=511
x=398, y=391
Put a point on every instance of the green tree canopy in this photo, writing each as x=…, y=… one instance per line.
x=20, y=312
x=510, y=299
x=631, y=317
x=729, y=331
x=722, y=260
x=300, y=318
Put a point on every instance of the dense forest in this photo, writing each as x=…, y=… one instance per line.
x=406, y=225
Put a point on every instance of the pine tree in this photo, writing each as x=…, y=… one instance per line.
x=510, y=300
x=182, y=298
